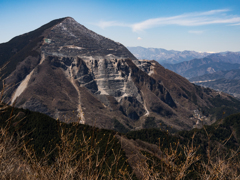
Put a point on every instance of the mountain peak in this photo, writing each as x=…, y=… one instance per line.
x=69, y=38
x=70, y=19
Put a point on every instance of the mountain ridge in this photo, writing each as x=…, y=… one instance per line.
x=165, y=56
x=209, y=64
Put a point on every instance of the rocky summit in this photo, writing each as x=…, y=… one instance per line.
x=71, y=73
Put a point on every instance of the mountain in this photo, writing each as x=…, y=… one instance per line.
x=230, y=86
x=70, y=73
x=206, y=65
x=231, y=74
x=225, y=81
x=165, y=56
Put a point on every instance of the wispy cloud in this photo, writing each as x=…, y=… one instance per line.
x=190, y=19
x=237, y=24
x=139, y=38
x=195, y=32
x=219, y=16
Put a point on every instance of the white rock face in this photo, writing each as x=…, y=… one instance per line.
x=102, y=76
x=72, y=69
x=113, y=77
x=21, y=87
x=146, y=66
x=24, y=83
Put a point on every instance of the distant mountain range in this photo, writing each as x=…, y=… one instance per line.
x=231, y=74
x=207, y=65
x=165, y=56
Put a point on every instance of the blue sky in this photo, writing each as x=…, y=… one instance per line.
x=200, y=25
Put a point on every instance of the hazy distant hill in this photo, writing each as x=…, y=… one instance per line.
x=231, y=74
x=206, y=65
x=165, y=56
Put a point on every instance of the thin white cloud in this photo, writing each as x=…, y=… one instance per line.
x=190, y=19
x=195, y=32
x=219, y=16
x=237, y=24
x=139, y=38
x=211, y=12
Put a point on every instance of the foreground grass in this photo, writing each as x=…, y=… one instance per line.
x=32, y=148
x=71, y=151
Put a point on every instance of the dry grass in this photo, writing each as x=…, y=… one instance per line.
x=84, y=162
x=183, y=162
x=169, y=164
x=75, y=160
x=220, y=165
